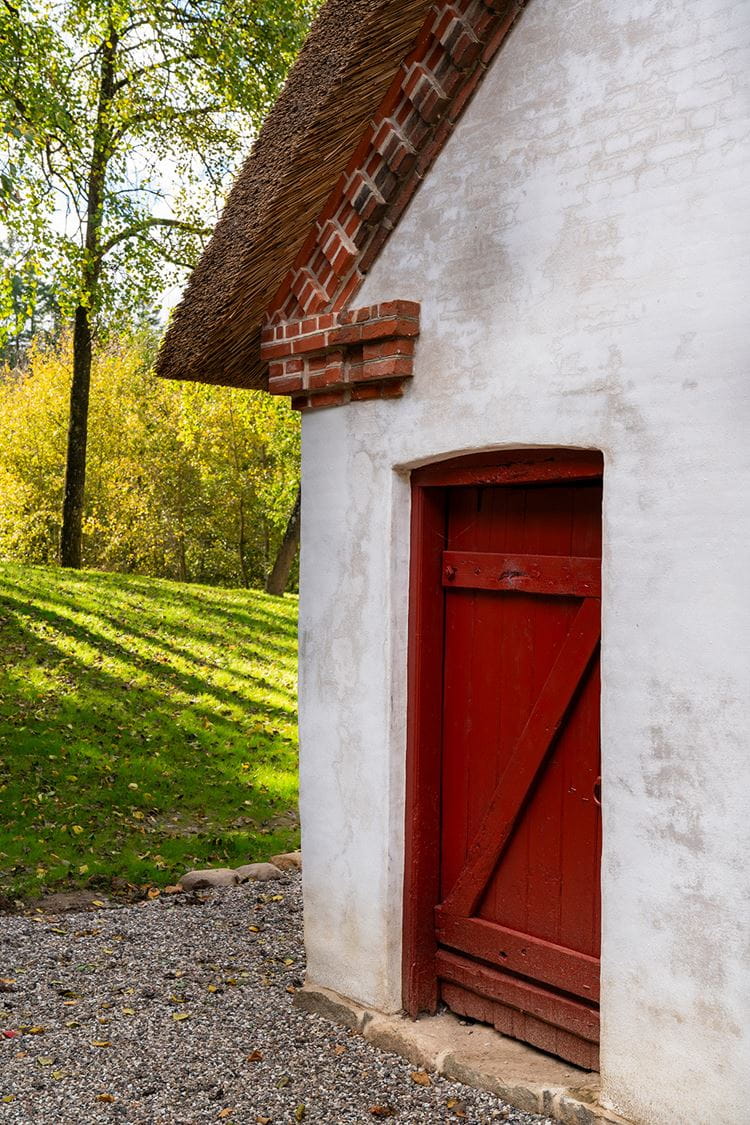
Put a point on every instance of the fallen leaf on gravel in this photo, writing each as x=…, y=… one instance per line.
x=36, y=1030
x=22, y=1054
x=225, y=1112
x=254, y=929
x=277, y=898
x=291, y=988
x=299, y=1112
x=6, y=984
x=9, y=1098
x=10, y=1034
x=153, y=892
x=72, y=1023
x=213, y=988
x=101, y=1043
x=282, y=1082
x=263, y=1120
x=173, y=889
x=180, y=1016
x=69, y=1003
x=128, y=1011
x=420, y=1078
x=45, y=1060
x=98, y=902
x=340, y=1049
x=105, y=1097
x=255, y=1056
x=457, y=1106
x=58, y=1074
x=382, y=1111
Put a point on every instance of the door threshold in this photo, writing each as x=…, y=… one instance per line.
x=474, y=1054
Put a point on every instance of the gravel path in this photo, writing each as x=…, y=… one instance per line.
x=179, y=1011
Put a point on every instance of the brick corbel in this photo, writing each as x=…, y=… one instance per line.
x=336, y=357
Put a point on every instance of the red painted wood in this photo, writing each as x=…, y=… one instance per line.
x=526, y=759
x=520, y=1025
x=515, y=837
x=422, y=841
x=519, y=467
x=542, y=1003
x=520, y=953
x=530, y=574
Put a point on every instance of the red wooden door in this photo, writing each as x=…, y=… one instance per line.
x=516, y=903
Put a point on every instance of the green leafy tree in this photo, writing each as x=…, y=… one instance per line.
x=102, y=103
x=184, y=481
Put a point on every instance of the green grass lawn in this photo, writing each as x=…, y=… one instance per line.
x=146, y=727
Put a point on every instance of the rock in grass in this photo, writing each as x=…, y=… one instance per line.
x=288, y=861
x=213, y=877
x=258, y=872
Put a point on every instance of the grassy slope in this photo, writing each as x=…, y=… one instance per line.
x=145, y=727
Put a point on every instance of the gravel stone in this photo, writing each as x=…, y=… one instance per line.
x=179, y=1011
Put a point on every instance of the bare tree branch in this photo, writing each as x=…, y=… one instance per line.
x=148, y=224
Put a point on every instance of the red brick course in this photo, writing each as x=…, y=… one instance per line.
x=334, y=358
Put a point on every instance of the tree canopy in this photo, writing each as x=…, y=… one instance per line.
x=123, y=120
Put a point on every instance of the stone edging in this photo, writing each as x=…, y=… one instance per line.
x=473, y=1054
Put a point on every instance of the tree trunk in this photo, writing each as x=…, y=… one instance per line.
x=277, y=580
x=241, y=545
x=75, y=469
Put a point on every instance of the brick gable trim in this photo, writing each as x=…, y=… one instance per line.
x=425, y=101
x=338, y=357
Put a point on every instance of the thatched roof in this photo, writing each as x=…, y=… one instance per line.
x=344, y=70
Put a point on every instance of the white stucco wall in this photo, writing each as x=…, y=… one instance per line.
x=581, y=250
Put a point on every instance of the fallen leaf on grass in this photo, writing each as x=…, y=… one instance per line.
x=420, y=1078
x=255, y=1056
x=382, y=1111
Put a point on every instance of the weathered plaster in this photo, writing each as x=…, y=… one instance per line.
x=581, y=251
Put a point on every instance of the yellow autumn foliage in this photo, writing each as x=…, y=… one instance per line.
x=183, y=481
